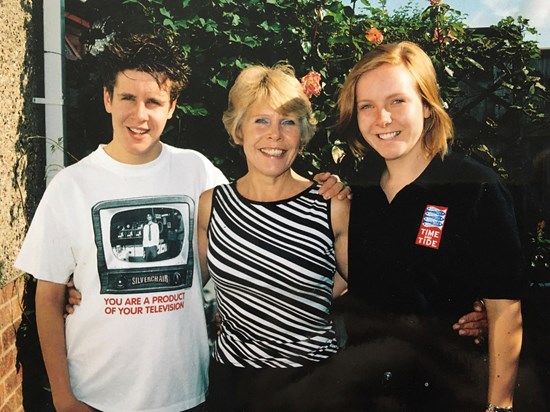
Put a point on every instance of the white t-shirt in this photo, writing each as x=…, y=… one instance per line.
x=138, y=340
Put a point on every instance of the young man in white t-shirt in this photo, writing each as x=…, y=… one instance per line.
x=137, y=342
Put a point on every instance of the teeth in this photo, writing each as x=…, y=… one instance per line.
x=386, y=136
x=273, y=152
x=137, y=131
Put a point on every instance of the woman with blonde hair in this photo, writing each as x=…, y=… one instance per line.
x=271, y=244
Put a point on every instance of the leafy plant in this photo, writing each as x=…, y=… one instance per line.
x=499, y=103
x=496, y=99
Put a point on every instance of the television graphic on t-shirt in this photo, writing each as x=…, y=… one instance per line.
x=144, y=244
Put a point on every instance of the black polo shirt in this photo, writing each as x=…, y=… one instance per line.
x=446, y=239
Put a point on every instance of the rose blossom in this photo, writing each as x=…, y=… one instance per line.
x=311, y=83
x=374, y=36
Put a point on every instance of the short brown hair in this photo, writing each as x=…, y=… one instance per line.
x=154, y=54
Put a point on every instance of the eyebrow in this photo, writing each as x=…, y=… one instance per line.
x=155, y=98
x=282, y=116
x=389, y=97
x=393, y=95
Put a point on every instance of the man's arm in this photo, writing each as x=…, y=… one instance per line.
x=505, y=338
x=50, y=303
x=332, y=186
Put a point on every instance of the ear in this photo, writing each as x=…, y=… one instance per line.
x=237, y=139
x=427, y=112
x=172, y=109
x=107, y=100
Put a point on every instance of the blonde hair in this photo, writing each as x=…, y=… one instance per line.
x=438, y=128
x=278, y=87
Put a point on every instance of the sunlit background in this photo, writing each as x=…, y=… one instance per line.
x=484, y=13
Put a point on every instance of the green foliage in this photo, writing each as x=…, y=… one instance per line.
x=541, y=245
x=496, y=99
x=499, y=103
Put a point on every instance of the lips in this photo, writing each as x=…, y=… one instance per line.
x=138, y=131
x=388, y=136
x=273, y=152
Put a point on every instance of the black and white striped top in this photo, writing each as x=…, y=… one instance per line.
x=272, y=264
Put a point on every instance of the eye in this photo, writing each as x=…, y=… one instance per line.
x=288, y=122
x=127, y=97
x=398, y=101
x=364, y=106
x=153, y=102
x=261, y=120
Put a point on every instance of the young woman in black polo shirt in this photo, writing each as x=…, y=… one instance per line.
x=429, y=232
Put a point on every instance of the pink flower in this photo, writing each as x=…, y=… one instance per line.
x=311, y=83
x=435, y=2
x=441, y=37
x=374, y=36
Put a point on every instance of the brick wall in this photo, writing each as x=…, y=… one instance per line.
x=21, y=176
x=11, y=396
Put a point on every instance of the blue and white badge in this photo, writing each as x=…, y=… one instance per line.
x=431, y=227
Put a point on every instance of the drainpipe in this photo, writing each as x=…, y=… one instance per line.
x=54, y=73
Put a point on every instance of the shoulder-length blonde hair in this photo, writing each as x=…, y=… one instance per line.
x=278, y=87
x=438, y=128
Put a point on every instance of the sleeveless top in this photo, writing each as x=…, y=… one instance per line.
x=272, y=264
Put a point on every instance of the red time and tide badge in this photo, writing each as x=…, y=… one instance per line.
x=431, y=227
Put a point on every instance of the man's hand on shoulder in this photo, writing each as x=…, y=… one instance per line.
x=332, y=186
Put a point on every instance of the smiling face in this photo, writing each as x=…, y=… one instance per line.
x=390, y=113
x=139, y=110
x=270, y=140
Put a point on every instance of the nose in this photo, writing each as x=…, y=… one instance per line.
x=384, y=117
x=275, y=131
x=140, y=111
